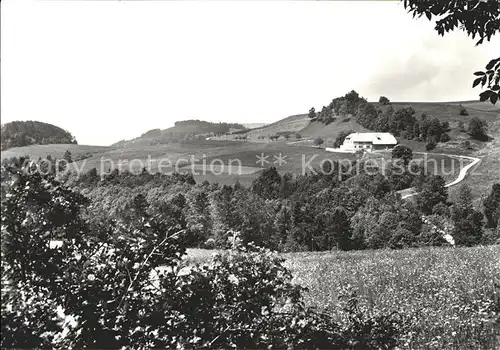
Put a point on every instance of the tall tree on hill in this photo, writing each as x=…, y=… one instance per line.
x=402, y=119
x=491, y=206
x=478, y=128
x=402, y=152
x=479, y=18
x=382, y=123
x=383, y=100
x=435, y=130
x=283, y=224
x=341, y=228
x=468, y=225
x=366, y=115
x=312, y=113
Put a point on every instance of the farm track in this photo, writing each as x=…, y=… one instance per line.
x=409, y=192
x=461, y=176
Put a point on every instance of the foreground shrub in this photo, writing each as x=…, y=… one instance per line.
x=429, y=146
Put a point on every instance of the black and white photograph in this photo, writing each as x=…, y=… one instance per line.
x=250, y=174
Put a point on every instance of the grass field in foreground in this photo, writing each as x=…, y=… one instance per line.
x=446, y=295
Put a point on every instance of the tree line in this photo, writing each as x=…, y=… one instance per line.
x=336, y=208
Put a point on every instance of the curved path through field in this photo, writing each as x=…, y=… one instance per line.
x=460, y=177
x=410, y=192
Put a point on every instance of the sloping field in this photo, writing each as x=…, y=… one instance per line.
x=330, y=132
x=488, y=172
x=286, y=158
x=54, y=150
x=164, y=156
x=291, y=124
x=450, y=111
x=479, y=106
x=138, y=155
x=215, y=161
x=438, y=290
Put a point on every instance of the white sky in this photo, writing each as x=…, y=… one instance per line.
x=109, y=70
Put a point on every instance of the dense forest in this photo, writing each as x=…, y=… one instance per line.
x=25, y=133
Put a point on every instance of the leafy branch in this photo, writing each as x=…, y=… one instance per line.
x=490, y=78
x=144, y=263
x=478, y=18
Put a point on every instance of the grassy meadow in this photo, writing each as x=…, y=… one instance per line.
x=55, y=151
x=446, y=297
x=177, y=156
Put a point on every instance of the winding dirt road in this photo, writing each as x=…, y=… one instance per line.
x=460, y=177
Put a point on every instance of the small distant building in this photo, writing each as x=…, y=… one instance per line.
x=369, y=141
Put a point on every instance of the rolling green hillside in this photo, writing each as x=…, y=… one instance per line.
x=291, y=124
x=180, y=131
x=446, y=111
x=157, y=144
x=215, y=161
x=55, y=151
x=342, y=123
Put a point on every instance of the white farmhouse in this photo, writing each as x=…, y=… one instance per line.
x=369, y=141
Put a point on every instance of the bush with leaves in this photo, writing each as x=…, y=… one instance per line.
x=318, y=141
x=468, y=222
x=491, y=206
x=432, y=193
x=478, y=129
x=402, y=152
x=88, y=292
x=429, y=146
x=383, y=100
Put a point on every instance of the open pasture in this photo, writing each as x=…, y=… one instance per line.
x=294, y=158
x=55, y=151
x=164, y=157
x=446, y=296
x=214, y=160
